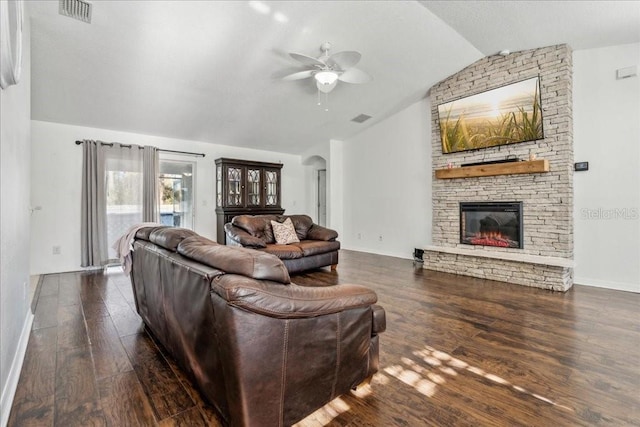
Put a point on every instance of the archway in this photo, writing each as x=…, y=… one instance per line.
x=316, y=184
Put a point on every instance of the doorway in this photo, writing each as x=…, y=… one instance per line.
x=322, y=197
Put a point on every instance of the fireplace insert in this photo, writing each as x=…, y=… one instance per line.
x=491, y=224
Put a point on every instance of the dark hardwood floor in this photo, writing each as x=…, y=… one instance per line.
x=457, y=351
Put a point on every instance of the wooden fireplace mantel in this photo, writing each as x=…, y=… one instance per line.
x=513, y=168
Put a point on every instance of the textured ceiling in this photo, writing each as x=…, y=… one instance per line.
x=492, y=26
x=210, y=70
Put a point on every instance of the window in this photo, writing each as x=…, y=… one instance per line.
x=119, y=191
x=177, y=193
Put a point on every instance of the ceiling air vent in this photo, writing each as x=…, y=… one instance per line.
x=76, y=9
x=361, y=118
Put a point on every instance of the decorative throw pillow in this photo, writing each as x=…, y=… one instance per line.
x=284, y=233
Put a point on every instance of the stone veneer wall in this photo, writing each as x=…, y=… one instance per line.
x=547, y=197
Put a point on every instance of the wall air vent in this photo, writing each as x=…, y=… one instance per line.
x=76, y=9
x=361, y=118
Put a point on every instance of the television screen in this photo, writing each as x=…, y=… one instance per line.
x=505, y=115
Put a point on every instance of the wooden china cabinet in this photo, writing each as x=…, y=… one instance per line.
x=245, y=187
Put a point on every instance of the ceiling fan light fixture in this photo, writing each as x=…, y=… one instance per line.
x=326, y=77
x=327, y=70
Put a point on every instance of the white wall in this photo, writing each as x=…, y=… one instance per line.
x=335, y=185
x=56, y=186
x=15, y=316
x=607, y=197
x=387, y=185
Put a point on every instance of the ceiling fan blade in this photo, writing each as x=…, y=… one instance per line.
x=326, y=88
x=354, y=75
x=307, y=60
x=299, y=75
x=344, y=60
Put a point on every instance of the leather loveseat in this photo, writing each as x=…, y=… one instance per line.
x=317, y=248
x=264, y=351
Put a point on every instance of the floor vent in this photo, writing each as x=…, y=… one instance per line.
x=76, y=9
x=361, y=118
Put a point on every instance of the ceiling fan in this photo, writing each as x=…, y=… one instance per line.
x=328, y=69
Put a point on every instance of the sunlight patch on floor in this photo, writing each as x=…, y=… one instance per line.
x=362, y=391
x=324, y=415
x=425, y=381
x=438, y=367
x=413, y=379
x=113, y=269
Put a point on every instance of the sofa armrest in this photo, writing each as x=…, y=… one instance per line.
x=318, y=232
x=289, y=302
x=243, y=238
x=379, y=319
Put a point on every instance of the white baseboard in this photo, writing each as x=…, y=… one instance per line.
x=408, y=255
x=598, y=283
x=9, y=391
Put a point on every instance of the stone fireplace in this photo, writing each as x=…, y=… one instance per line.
x=538, y=247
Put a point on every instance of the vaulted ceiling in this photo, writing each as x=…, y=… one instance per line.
x=211, y=70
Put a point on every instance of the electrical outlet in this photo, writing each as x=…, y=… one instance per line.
x=56, y=250
x=380, y=237
x=359, y=236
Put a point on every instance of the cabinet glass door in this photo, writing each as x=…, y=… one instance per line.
x=219, y=186
x=253, y=187
x=271, y=188
x=234, y=186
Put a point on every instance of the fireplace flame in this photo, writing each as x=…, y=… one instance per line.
x=491, y=238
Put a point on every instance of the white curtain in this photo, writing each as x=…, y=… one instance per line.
x=119, y=195
x=124, y=189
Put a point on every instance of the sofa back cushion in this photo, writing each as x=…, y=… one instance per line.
x=302, y=224
x=257, y=225
x=234, y=259
x=170, y=237
x=144, y=232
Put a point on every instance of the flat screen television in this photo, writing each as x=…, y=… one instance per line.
x=504, y=115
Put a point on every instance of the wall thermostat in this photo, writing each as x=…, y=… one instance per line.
x=581, y=166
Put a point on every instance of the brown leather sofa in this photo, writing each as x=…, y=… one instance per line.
x=264, y=351
x=318, y=246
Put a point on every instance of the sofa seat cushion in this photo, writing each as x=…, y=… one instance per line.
x=284, y=251
x=315, y=247
x=234, y=259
